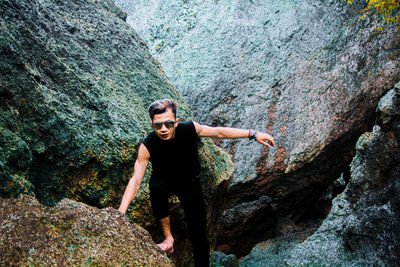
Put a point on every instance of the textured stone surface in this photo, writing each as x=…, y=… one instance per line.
x=219, y=259
x=76, y=81
x=75, y=84
x=274, y=251
x=363, y=227
x=72, y=234
x=291, y=68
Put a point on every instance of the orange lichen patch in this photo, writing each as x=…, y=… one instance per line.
x=266, y=173
x=262, y=168
x=279, y=158
x=271, y=114
x=283, y=130
x=339, y=118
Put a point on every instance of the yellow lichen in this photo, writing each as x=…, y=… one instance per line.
x=384, y=8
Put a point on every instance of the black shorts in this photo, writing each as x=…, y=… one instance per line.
x=187, y=190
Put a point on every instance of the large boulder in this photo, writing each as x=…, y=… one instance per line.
x=75, y=84
x=363, y=227
x=307, y=72
x=72, y=234
x=76, y=81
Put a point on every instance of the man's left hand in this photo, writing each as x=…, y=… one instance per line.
x=265, y=139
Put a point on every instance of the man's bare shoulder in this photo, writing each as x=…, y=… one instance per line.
x=143, y=153
x=197, y=126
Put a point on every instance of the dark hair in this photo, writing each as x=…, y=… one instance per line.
x=160, y=106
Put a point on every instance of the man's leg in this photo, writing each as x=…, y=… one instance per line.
x=168, y=243
x=191, y=198
x=159, y=203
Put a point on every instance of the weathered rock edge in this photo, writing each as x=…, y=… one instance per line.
x=72, y=234
x=363, y=226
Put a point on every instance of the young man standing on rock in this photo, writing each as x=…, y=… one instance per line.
x=172, y=150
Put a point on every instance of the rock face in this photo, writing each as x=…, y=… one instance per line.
x=291, y=68
x=220, y=259
x=363, y=227
x=72, y=234
x=75, y=84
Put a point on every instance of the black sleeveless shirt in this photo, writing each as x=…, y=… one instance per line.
x=177, y=158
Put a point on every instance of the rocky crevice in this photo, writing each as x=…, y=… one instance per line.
x=287, y=195
x=362, y=225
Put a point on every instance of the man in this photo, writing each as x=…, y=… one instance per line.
x=172, y=149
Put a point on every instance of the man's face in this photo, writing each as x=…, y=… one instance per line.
x=164, y=133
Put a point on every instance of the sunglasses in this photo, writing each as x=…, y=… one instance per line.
x=158, y=125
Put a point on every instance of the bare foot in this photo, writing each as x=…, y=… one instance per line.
x=167, y=245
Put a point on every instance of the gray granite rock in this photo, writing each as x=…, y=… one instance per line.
x=363, y=226
x=219, y=259
x=274, y=251
x=295, y=69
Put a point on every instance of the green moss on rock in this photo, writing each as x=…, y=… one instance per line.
x=76, y=81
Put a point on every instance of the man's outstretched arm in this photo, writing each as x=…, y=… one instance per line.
x=134, y=183
x=232, y=133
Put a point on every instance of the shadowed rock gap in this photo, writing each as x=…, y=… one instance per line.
x=362, y=227
x=302, y=206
